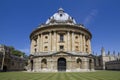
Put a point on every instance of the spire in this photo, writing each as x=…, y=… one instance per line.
x=113, y=53
x=118, y=53
x=108, y=53
x=102, y=51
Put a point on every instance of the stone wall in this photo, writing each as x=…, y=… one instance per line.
x=9, y=62
x=73, y=63
x=48, y=40
x=113, y=65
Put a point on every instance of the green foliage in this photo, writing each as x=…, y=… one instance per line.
x=17, y=52
x=98, y=75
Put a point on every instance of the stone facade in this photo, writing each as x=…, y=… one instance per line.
x=113, y=65
x=9, y=62
x=107, y=61
x=60, y=45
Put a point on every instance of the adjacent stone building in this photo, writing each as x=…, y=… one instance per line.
x=107, y=61
x=60, y=45
x=9, y=62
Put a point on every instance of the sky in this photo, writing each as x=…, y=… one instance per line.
x=18, y=18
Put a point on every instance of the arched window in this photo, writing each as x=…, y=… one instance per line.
x=90, y=64
x=43, y=63
x=79, y=63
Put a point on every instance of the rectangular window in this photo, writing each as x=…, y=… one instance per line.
x=77, y=48
x=62, y=47
x=45, y=48
x=61, y=37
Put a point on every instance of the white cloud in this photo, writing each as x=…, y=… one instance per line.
x=90, y=16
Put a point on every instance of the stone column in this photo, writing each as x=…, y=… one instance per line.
x=84, y=43
x=51, y=64
x=49, y=46
x=68, y=41
x=55, y=41
x=34, y=45
x=81, y=48
x=92, y=65
x=41, y=43
x=52, y=42
x=38, y=43
x=73, y=42
x=85, y=64
x=39, y=64
x=89, y=46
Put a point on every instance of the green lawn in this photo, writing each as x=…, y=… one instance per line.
x=98, y=75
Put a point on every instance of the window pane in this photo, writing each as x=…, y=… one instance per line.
x=61, y=37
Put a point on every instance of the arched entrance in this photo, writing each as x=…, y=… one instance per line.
x=61, y=64
x=79, y=63
x=90, y=64
x=31, y=61
x=4, y=68
x=43, y=64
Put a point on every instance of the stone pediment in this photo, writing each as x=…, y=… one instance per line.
x=62, y=53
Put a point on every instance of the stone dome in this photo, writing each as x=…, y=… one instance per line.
x=61, y=17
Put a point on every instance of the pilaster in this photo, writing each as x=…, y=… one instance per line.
x=84, y=43
x=73, y=42
x=81, y=43
x=38, y=44
x=68, y=41
x=49, y=45
x=89, y=45
x=41, y=43
x=55, y=41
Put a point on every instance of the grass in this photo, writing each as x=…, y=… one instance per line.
x=98, y=75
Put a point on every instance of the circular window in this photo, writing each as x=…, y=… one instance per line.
x=60, y=15
x=46, y=37
x=76, y=37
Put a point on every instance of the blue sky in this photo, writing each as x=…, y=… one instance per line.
x=19, y=17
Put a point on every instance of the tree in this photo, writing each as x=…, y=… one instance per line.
x=17, y=52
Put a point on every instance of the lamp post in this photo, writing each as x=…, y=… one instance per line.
x=3, y=50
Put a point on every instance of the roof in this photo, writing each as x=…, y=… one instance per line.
x=61, y=17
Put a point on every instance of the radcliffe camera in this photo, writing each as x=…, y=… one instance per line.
x=59, y=40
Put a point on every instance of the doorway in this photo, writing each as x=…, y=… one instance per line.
x=61, y=64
